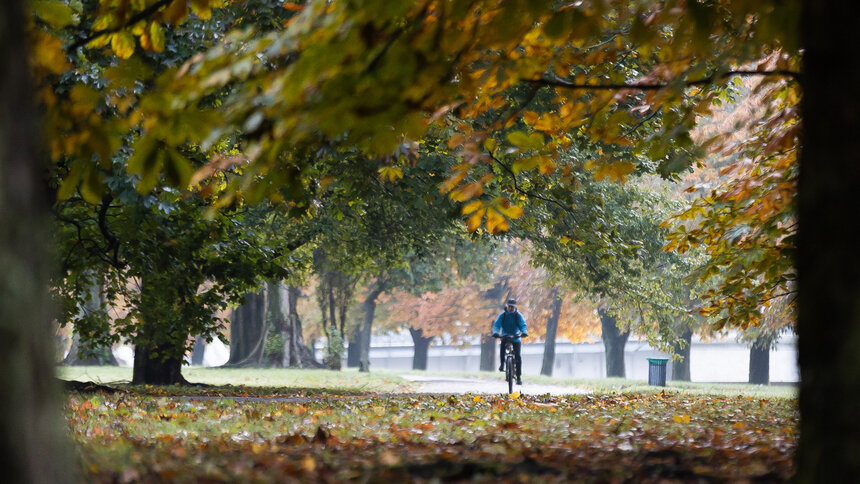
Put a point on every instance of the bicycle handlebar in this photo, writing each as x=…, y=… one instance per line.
x=516, y=335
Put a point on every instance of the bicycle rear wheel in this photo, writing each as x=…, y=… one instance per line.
x=509, y=373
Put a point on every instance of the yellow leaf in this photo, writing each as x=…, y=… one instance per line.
x=496, y=222
x=468, y=192
x=92, y=186
x=477, y=399
x=392, y=173
x=156, y=34
x=510, y=210
x=453, y=181
x=145, y=41
x=515, y=395
x=70, y=184
x=201, y=8
x=681, y=418
x=472, y=206
x=122, y=44
x=325, y=181
x=528, y=163
x=616, y=171
x=475, y=220
x=530, y=117
x=490, y=144
x=456, y=140
x=48, y=53
x=176, y=12
x=54, y=13
x=308, y=464
x=546, y=165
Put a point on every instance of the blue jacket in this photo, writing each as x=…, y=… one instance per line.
x=508, y=324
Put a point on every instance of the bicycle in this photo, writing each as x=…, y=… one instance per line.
x=508, y=343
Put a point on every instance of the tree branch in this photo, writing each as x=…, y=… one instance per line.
x=155, y=7
x=544, y=82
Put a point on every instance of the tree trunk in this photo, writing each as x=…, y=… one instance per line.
x=551, y=330
x=681, y=369
x=276, y=319
x=760, y=362
x=353, y=350
x=365, y=333
x=422, y=346
x=151, y=368
x=613, y=342
x=828, y=260
x=248, y=331
x=301, y=356
x=81, y=355
x=32, y=434
x=198, y=351
x=489, y=355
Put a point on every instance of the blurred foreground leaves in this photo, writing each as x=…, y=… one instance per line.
x=644, y=437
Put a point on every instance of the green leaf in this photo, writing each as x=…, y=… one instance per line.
x=555, y=27
x=151, y=169
x=70, y=183
x=525, y=164
x=177, y=170
x=532, y=141
x=93, y=186
x=143, y=149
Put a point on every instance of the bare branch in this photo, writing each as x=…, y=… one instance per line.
x=143, y=14
x=657, y=86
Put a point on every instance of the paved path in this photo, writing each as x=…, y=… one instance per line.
x=444, y=384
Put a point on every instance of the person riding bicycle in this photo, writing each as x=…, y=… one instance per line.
x=511, y=323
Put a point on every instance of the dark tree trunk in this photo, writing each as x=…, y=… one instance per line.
x=353, y=350
x=422, y=346
x=489, y=355
x=301, y=356
x=828, y=260
x=82, y=355
x=157, y=355
x=366, y=329
x=760, y=362
x=551, y=330
x=198, y=351
x=32, y=439
x=248, y=331
x=614, y=341
x=276, y=319
x=681, y=369
x=151, y=368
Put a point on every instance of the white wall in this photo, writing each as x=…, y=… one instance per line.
x=709, y=362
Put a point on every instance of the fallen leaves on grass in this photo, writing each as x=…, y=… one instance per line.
x=640, y=437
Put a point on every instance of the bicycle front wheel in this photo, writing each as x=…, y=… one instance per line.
x=509, y=374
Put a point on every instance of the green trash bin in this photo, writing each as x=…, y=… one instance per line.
x=657, y=371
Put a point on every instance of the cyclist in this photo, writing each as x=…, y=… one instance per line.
x=511, y=323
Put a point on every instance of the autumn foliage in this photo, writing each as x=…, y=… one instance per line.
x=649, y=437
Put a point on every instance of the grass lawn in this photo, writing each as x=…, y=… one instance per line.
x=390, y=381
x=349, y=427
